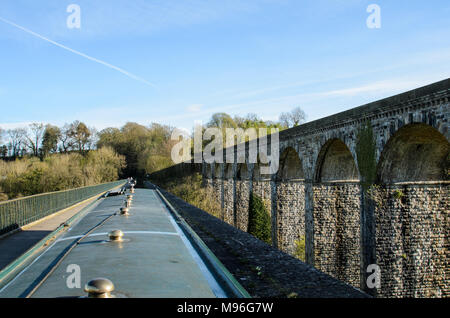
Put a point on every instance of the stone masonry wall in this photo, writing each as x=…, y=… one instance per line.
x=262, y=189
x=242, y=203
x=217, y=188
x=337, y=231
x=290, y=214
x=412, y=240
x=228, y=204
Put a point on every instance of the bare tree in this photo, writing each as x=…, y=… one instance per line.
x=16, y=140
x=293, y=118
x=93, y=139
x=66, y=141
x=33, y=141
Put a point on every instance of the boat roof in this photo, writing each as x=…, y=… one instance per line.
x=154, y=259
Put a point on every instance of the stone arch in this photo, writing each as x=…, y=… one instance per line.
x=257, y=174
x=228, y=171
x=411, y=209
x=217, y=170
x=291, y=167
x=416, y=152
x=290, y=204
x=336, y=215
x=336, y=163
x=243, y=172
x=209, y=170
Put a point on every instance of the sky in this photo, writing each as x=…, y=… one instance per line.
x=178, y=62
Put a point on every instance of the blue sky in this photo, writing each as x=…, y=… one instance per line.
x=200, y=57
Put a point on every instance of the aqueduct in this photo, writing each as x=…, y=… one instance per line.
x=366, y=186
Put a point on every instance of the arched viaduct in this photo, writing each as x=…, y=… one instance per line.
x=366, y=186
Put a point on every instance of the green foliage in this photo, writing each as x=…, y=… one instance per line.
x=366, y=155
x=50, y=139
x=398, y=194
x=146, y=149
x=28, y=176
x=259, y=223
x=80, y=135
x=190, y=190
x=300, y=248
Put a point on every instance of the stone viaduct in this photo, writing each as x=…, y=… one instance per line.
x=365, y=186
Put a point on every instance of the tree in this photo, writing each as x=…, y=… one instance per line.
x=93, y=139
x=33, y=142
x=221, y=120
x=3, y=151
x=109, y=137
x=146, y=149
x=66, y=142
x=50, y=139
x=293, y=118
x=80, y=134
x=16, y=139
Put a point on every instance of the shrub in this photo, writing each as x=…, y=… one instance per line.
x=3, y=196
x=28, y=176
x=190, y=190
x=259, y=223
x=299, y=251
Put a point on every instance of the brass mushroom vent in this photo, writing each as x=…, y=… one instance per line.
x=115, y=236
x=99, y=288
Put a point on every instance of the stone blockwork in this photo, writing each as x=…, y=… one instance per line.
x=331, y=205
x=228, y=201
x=337, y=231
x=242, y=202
x=412, y=240
x=290, y=205
x=262, y=270
x=263, y=190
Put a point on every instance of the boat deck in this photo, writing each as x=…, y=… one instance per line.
x=155, y=259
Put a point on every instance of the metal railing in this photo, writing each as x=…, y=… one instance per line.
x=19, y=212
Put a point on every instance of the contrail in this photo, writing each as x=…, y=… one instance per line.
x=137, y=78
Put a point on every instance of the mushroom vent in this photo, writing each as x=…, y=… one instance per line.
x=116, y=235
x=99, y=288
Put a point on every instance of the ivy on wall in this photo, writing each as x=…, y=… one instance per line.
x=366, y=155
x=259, y=223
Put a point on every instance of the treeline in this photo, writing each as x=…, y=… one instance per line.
x=41, y=158
x=45, y=158
x=148, y=149
x=40, y=140
x=286, y=120
x=32, y=175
